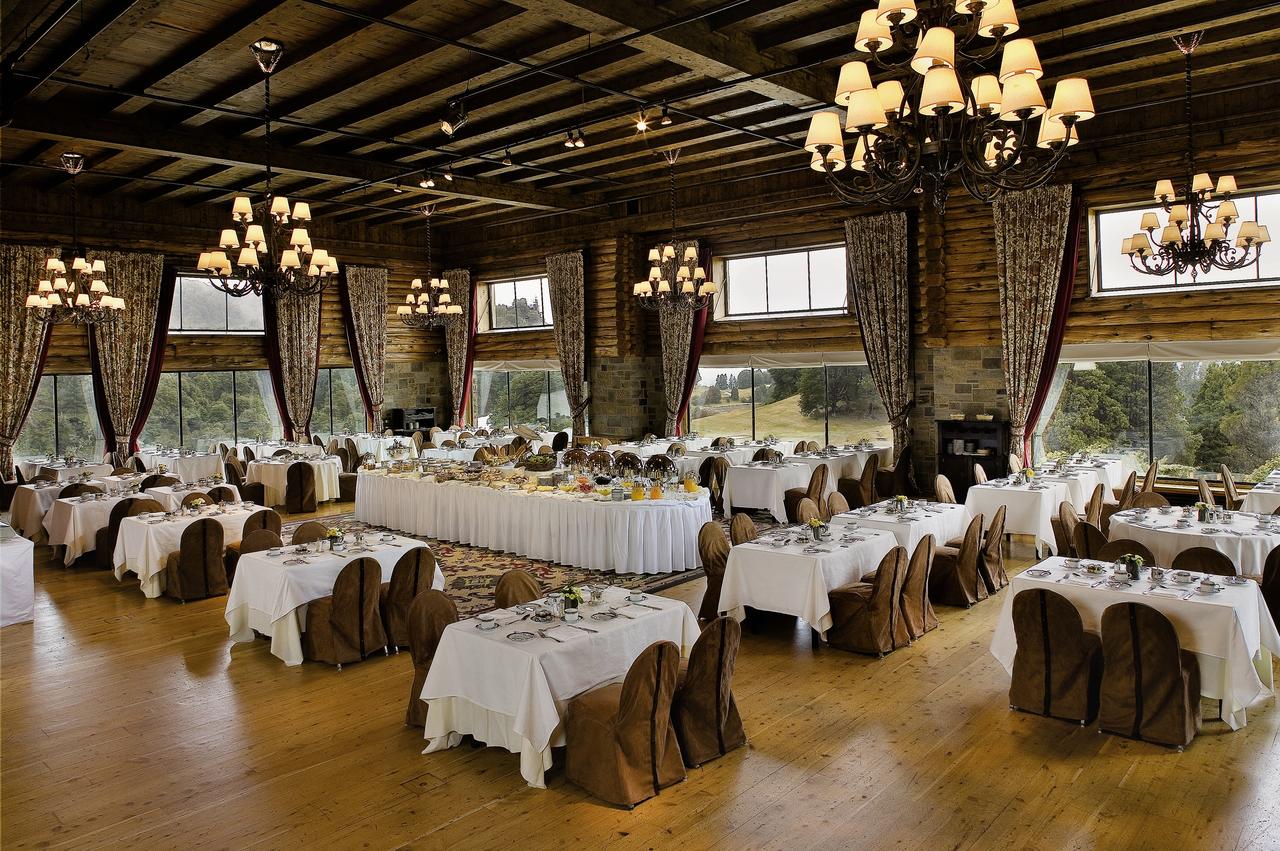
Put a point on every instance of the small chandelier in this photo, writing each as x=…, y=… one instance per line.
x=434, y=307
x=950, y=116
x=82, y=296
x=1197, y=235
x=283, y=262
x=693, y=290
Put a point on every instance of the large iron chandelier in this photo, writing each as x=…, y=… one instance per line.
x=434, y=307
x=941, y=112
x=692, y=290
x=1197, y=235
x=282, y=262
x=80, y=294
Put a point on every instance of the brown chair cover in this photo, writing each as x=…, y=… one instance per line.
x=267, y=518
x=104, y=540
x=253, y=542
x=711, y=475
x=347, y=486
x=942, y=489
x=196, y=570
x=1230, y=495
x=865, y=618
x=624, y=462
x=280, y=453
x=811, y=446
x=332, y=447
x=817, y=486
x=742, y=529
x=991, y=559
x=155, y=480
x=45, y=476
x=344, y=460
x=143, y=506
x=449, y=444
x=1150, y=685
x=1206, y=493
x=713, y=550
x=764, y=453
x=300, y=488
x=836, y=504
x=413, y=573
x=196, y=496
x=703, y=711
x=560, y=442
x=353, y=455
x=138, y=466
x=78, y=489
x=1058, y=666
x=1087, y=540
x=916, y=610
x=807, y=510
x=799, y=447
x=429, y=612
x=222, y=493
x=1270, y=584
x=249, y=455
x=122, y=471
x=315, y=440
x=954, y=579
x=620, y=744
x=1064, y=526
x=979, y=474
x=345, y=626
x=1093, y=510
x=659, y=466
x=861, y=491
x=1149, y=499
x=1130, y=487
x=1112, y=550
x=312, y=530
x=895, y=479
x=1204, y=560
x=1149, y=480
x=515, y=587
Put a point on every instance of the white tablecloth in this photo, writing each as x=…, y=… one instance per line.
x=74, y=524
x=1264, y=497
x=736, y=456
x=143, y=544
x=1111, y=468
x=271, y=597
x=1231, y=633
x=1248, y=551
x=448, y=454
x=64, y=473
x=28, y=466
x=266, y=450
x=944, y=521
x=748, y=486
x=30, y=504
x=274, y=475
x=513, y=695
x=793, y=582
x=172, y=500
x=188, y=468
x=847, y=465
x=652, y=536
x=17, y=581
x=1029, y=511
x=1080, y=483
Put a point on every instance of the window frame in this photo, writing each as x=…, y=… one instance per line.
x=226, y=312
x=473, y=414
x=544, y=288
x=727, y=285
x=57, y=419
x=329, y=370
x=235, y=400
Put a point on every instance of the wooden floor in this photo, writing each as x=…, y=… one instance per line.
x=135, y=723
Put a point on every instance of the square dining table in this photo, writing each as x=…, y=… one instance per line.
x=1247, y=539
x=944, y=521
x=145, y=541
x=762, y=485
x=1264, y=497
x=74, y=522
x=1029, y=508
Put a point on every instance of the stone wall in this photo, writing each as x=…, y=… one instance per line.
x=626, y=396
x=950, y=381
x=417, y=384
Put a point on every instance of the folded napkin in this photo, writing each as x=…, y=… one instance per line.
x=566, y=633
x=1167, y=592
x=1086, y=583
x=631, y=612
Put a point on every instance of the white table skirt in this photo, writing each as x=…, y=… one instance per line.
x=1080, y=484
x=1232, y=634
x=274, y=476
x=188, y=468
x=763, y=487
x=143, y=546
x=29, y=466
x=1248, y=552
x=448, y=455
x=1264, y=497
x=29, y=507
x=793, y=582
x=1028, y=512
x=944, y=521
x=514, y=696
x=74, y=524
x=737, y=456
x=17, y=581
x=624, y=537
x=271, y=597
x=171, y=500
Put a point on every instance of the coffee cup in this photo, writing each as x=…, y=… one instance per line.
x=635, y=597
x=571, y=616
x=487, y=621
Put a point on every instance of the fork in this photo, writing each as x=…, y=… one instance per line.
x=583, y=628
x=542, y=633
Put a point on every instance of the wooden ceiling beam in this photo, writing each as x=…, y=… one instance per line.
x=200, y=175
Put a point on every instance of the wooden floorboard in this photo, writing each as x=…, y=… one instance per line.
x=129, y=722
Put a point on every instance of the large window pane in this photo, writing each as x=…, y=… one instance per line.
x=199, y=306
x=207, y=415
x=853, y=405
x=162, y=424
x=561, y=419
x=78, y=430
x=244, y=313
x=721, y=403
x=502, y=304
x=529, y=303
x=320, y=420
x=489, y=404
x=827, y=279
x=38, y=437
x=745, y=286
x=256, y=412
x=348, y=408
x=796, y=406
x=1103, y=408
x=788, y=281
x=799, y=281
x=1218, y=412
x=523, y=303
x=529, y=403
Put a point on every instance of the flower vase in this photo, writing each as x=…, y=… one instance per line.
x=1202, y=514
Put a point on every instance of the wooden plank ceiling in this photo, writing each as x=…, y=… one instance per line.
x=164, y=98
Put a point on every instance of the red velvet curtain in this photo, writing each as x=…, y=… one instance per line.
x=1058, y=330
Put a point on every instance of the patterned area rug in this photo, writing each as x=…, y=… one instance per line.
x=471, y=573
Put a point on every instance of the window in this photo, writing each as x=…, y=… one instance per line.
x=1113, y=273
x=533, y=397
x=62, y=419
x=338, y=408
x=199, y=410
x=519, y=304
x=199, y=307
x=793, y=282
x=827, y=404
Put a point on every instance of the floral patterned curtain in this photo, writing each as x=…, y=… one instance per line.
x=879, y=279
x=676, y=331
x=121, y=352
x=568, y=304
x=364, y=314
x=23, y=342
x=460, y=341
x=292, y=326
x=1031, y=235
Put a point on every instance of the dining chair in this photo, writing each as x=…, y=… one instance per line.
x=991, y=557
x=196, y=570
x=799, y=447
x=703, y=711
x=742, y=529
x=1112, y=550
x=1057, y=670
x=806, y=510
x=45, y=476
x=266, y=518
x=317, y=441
x=713, y=550
x=253, y=542
x=249, y=491
x=345, y=626
x=865, y=616
x=1015, y=463
x=141, y=505
x=895, y=480
x=1205, y=560
x=814, y=492
x=954, y=579
x=1230, y=494
x=620, y=743
x=1149, y=499
x=105, y=538
x=1124, y=496
x=560, y=441
x=861, y=492
x=1270, y=584
x=249, y=456
x=712, y=473
x=300, y=488
x=979, y=474
x=332, y=447
x=122, y=471
x=221, y=493
x=281, y=453
x=1087, y=540
x=1150, y=685
x=836, y=504
x=430, y=612
x=138, y=466
x=764, y=453
x=1149, y=480
x=1064, y=525
x=917, y=612
x=1093, y=509
x=942, y=490
x=514, y=587
x=414, y=573
x=156, y=480
x=677, y=449
x=811, y=446
x=449, y=444
x=309, y=532
x=78, y=489
x=1206, y=493
x=195, y=497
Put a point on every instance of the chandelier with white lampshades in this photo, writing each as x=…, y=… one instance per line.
x=77, y=294
x=279, y=259
x=428, y=303
x=941, y=113
x=1196, y=236
x=692, y=290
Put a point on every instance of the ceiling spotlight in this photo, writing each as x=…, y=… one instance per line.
x=72, y=163
x=568, y=139
x=398, y=189
x=506, y=157
x=666, y=116
x=448, y=173
x=455, y=116
x=267, y=52
x=581, y=141
x=427, y=181
x=642, y=123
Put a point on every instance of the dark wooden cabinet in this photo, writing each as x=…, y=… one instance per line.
x=963, y=443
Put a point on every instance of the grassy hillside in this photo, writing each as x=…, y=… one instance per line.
x=784, y=420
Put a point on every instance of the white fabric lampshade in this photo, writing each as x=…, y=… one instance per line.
x=854, y=77
x=824, y=129
x=892, y=97
x=871, y=31
x=1021, y=93
x=938, y=47
x=1071, y=97
x=1001, y=16
x=986, y=92
x=866, y=110
x=941, y=93
x=1020, y=57
x=906, y=8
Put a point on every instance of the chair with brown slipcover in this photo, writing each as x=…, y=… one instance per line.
x=1124, y=498
x=253, y=542
x=46, y=476
x=249, y=457
x=249, y=491
x=895, y=480
x=545, y=449
x=515, y=587
x=347, y=486
x=806, y=510
x=866, y=616
x=332, y=447
x=574, y=457
x=560, y=442
x=1063, y=527
x=78, y=489
x=626, y=463
x=1206, y=493
x=620, y=743
x=344, y=459
x=418, y=438
x=979, y=474
x=143, y=506
x=309, y=532
x=1057, y=669
x=764, y=453
x=1230, y=495
x=196, y=497
x=799, y=447
x=267, y=518
x=449, y=444
x=719, y=442
x=1087, y=540
x=223, y=449
x=156, y=480
x=817, y=487
x=1112, y=550
x=861, y=491
x=428, y=614
x=703, y=711
x=991, y=558
x=1093, y=509
x=345, y=626
x=659, y=466
x=196, y=570
x=353, y=455
x=281, y=453
x=711, y=475
x=742, y=529
x=413, y=574
x=316, y=441
x=713, y=550
x=811, y=446
x=1149, y=480
x=221, y=494
x=1015, y=463
x=300, y=488
x=1270, y=584
x=1150, y=685
x=677, y=448
x=1204, y=560
x=1149, y=499
x=954, y=579
x=942, y=490
x=138, y=466
x=836, y=504
x=105, y=538
x=122, y=471
x=917, y=612
x=465, y=435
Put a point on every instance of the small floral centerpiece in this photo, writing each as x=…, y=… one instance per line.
x=1029, y=472
x=572, y=596
x=901, y=502
x=1202, y=512
x=197, y=503
x=162, y=469
x=818, y=529
x=1131, y=562
x=334, y=536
